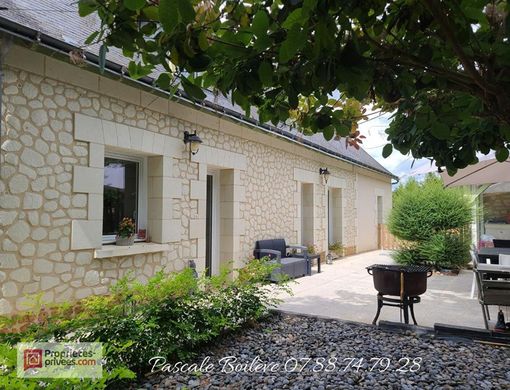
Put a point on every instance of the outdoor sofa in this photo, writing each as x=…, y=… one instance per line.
x=292, y=263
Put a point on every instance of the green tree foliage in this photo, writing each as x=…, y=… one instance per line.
x=441, y=66
x=433, y=222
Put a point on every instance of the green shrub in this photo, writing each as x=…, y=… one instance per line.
x=433, y=221
x=409, y=255
x=446, y=250
x=422, y=210
x=171, y=316
x=336, y=247
x=312, y=249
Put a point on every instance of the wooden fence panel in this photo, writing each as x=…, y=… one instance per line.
x=386, y=239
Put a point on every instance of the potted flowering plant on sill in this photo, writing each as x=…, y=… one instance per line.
x=126, y=235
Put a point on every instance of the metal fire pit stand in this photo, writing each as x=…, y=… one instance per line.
x=404, y=282
x=405, y=304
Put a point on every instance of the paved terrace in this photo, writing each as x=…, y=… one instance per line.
x=344, y=290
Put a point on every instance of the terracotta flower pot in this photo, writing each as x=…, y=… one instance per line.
x=125, y=241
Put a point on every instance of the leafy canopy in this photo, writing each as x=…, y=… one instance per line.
x=442, y=66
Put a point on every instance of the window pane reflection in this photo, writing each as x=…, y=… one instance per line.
x=120, y=198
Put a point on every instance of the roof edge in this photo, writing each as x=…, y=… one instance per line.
x=47, y=43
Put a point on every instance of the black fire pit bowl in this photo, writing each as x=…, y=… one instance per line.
x=388, y=278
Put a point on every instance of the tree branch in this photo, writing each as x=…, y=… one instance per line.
x=405, y=58
x=438, y=12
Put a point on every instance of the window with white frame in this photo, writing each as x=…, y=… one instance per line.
x=124, y=194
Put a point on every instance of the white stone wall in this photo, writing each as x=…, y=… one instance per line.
x=40, y=153
x=369, y=188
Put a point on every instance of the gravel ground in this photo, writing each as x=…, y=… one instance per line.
x=294, y=352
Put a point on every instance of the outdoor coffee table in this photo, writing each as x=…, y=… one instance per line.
x=313, y=257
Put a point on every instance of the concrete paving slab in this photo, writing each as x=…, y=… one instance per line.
x=345, y=290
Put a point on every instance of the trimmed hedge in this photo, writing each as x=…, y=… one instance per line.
x=434, y=223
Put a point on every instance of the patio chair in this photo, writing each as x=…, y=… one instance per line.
x=293, y=265
x=492, y=292
x=488, y=259
x=498, y=243
x=504, y=259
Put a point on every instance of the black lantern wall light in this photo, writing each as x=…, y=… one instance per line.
x=324, y=173
x=194, y=142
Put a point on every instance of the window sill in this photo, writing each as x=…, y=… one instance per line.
x=136, y=249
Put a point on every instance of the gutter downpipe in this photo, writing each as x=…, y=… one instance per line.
x=49, y=43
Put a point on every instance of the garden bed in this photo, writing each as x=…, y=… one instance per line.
x=343, y=355
x=172, y=315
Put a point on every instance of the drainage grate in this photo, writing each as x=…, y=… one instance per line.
x=400, y=268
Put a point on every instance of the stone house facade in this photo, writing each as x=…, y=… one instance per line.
x=63, y=125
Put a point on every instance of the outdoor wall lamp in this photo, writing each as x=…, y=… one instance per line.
x=325, y=174
x=193, y=140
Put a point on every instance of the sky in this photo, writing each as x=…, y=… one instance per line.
x=397, y=163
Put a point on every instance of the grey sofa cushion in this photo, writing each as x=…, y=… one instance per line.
x=300, y=265
x=287, y=267
x=293, y=267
